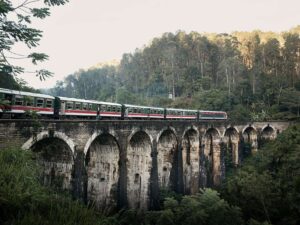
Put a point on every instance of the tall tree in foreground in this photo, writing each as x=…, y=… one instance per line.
x=15, y=27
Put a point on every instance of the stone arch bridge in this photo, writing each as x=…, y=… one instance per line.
x=127, y=163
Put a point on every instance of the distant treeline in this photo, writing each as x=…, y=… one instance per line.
x=252, y=75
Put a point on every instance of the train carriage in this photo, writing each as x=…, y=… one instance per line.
x=16, y=103
x=156, y=113
x=87, y=108
x=109, y=109
x=135, y=111
x=212, y=115
x=172, y=113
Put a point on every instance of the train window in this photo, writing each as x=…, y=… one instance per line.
x=19, y=100
x=84, y=106
x=39, y=102
x=90, y=106
x=113, y=108
x=69, y=105
x=103, y=108
x=77, y=105
x=49, y=103
x=29, y=101
x=118, y=109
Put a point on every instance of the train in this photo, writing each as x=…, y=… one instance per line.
x=15, y=104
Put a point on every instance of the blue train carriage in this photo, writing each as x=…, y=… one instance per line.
x=212, y=115
x=71, y=107
x=137, y=111
x=16, y=103
x=185, y=114
x=110, y=109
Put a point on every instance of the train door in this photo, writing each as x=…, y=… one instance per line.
x=63, y=108
x=98, y=117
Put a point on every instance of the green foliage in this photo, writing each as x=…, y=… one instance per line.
x=205, y=207
x=266, y=187
x=16, y=27
x=24, y=201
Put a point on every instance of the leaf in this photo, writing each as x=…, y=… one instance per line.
x=43, y=74
x=40, y=13
x=55, y=2
x=38, y=57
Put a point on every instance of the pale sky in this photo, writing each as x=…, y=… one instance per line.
x=83, y=33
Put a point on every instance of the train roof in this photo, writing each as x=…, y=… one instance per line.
x=139, y=106
x=88, y=101
x=187, y=110
x=25, y=93
x=208, y=111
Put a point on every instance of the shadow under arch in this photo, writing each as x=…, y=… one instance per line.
x=46, y=134
x=139, y=166
x=268, y=132
x=250, y=143
x=232, y=142
x=102, y=166
x=212, y=157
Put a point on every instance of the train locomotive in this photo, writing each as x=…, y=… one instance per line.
x=15, y=104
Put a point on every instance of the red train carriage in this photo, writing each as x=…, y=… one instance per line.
x=16, y=103
x=136, y=111
x=87, y=108
x=212, y=115
x=185, y=114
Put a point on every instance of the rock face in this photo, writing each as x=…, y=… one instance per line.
x=127, y=163
x=103, y=172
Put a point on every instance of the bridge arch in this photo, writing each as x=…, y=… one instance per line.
x=139, y=165
x=94, y=136
x=191, y=160
x=212, y=154
x=167, y=159
x=54, y=153
x=138, y=130
x=102, y=166
x=250, y=140
x=46, y=134
x=268, y=132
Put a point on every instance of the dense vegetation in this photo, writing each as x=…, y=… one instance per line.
x=253, y=75
x=264, y=190
x=23, y=200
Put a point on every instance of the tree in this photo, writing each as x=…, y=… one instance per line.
x=15, y=27
x=267, y=186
